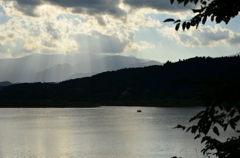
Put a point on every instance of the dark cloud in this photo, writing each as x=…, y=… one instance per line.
x=235, y=40
x=161, y=5
x=2, y=38
x=208, y=36
x=28, y=6
x=48, y=44
x=55, y=33
x=101, y=21
x=219, y=34
x=93, y=7
x=11, y=35
x=48, y=51
x=101, y=7
x=90, y=7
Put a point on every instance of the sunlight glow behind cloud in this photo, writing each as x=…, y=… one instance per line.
x=101, y=26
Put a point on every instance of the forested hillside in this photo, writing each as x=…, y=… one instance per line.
x=172, y=80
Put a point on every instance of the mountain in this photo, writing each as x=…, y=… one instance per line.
x=107, y=63
x=4, y=84
x=238, y=54
x=80, y=75
x=171, y=80
x=55, y=74
x=56, y=68
x=25, y=69
x=148, y=63
x=83, y=69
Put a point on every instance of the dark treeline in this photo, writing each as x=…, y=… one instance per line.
x=172, y=80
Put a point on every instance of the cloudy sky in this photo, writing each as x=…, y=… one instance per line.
x=122, y=27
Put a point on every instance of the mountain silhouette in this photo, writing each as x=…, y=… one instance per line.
x=56, y=68
x=171, y=80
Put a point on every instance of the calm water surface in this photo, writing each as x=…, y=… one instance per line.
x=96, y=132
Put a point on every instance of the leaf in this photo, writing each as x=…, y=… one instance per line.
x=207, y=127
x=171, y=1
x=227, y=20
x=197, y=136
x=168, y=20
x=177, y=21
x=180, y=1
x=188, y=25
x=186, y=2
x=196, y=10
x=184, y=25
x=193, y=118
x=237, y=118
x=215, y=130
x=188, y=129
x=177, y=27
x=204, y=2
x=194, y=129
x=192, y=23
x=212, y=17
x=204, y=20
x=225, y=127
x=180, y=126
x=218, y=19
x=205, y=138
x=200, y=114
x=197, y=26
x=232, y=124
x=232, y=113
x=221, y=108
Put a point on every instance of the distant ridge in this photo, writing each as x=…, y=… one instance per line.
x=59, y=67
x=56, y=73
x=171, y=80
x=5, y=83
x=148, y=63
x=238, y=54
x=80, y=75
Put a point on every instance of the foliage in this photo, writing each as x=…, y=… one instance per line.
x=215, y=10
x=222, y=102
x=220, y=95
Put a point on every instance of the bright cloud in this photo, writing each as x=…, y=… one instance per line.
x=206, y=36
x=99, y=26
x=48, y=27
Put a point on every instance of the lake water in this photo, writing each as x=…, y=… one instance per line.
x=96, y=133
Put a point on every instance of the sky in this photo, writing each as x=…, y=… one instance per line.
x=115, y=27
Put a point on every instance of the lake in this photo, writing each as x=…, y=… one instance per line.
x=96, y=132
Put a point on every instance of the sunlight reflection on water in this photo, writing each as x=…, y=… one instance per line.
x=96, y=132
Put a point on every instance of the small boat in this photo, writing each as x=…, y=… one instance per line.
x=139, y=110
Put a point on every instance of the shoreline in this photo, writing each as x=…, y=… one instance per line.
x=78, y=104
x=98, y=106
